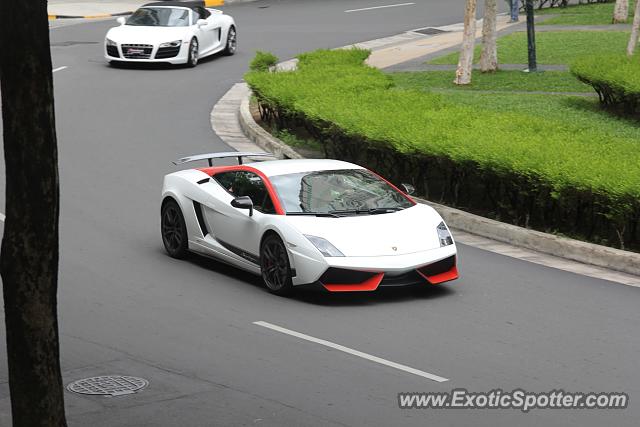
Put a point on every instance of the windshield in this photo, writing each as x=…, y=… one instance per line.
x=160, y=17
x=350, y=190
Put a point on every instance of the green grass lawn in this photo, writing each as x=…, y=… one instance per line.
x=582, y=112
x=576, y=112
x=582, y=14
x=560, y=47
x=508, y=80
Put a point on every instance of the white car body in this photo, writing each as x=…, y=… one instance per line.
x=142, y=44
x=390, y=249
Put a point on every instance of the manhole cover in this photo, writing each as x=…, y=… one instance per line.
x=109, y=385
x=430, y=31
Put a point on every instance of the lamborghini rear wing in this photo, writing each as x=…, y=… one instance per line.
x=211, y=156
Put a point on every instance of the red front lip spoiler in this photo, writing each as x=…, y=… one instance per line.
x=368, y=285
x=442, y=277
x=372, y=283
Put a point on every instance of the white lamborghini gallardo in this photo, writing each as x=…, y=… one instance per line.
x=173, y=32
x=299, y=222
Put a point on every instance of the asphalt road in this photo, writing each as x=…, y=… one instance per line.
x=187, y=326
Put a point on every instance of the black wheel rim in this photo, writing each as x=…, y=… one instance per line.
x=172, y=229
x=275, y=266
x=193, y=52
x=232, y=41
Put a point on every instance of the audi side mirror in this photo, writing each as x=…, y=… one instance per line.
x=120, y=20
x=243, y=202
x=201, y=22
x=408, y=188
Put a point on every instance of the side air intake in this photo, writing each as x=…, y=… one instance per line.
x=200, y=215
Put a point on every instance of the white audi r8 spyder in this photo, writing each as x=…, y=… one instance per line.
x=173, y=32
x=298, y=222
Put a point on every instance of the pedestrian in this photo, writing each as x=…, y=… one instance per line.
x=515, y=10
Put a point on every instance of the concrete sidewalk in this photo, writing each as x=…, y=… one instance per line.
x=423, y=45
x=92, y=8
x=102, y=8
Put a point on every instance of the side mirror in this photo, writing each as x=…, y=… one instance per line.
x=201, y=22
x=408, y=188
x=243, y=202
x=121, y=20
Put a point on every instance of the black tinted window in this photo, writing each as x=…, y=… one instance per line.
x=201, y=13
x=226, y=180
x=243, y=183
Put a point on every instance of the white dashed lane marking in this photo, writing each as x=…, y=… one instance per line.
x=352, y=352
x=378, y=7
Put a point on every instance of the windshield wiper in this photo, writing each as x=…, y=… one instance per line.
x=371, y=211
x=321, y=214
x=375, y=211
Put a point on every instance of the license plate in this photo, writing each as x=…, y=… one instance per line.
x=135, y=51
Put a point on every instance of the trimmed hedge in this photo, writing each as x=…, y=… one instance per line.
x=549, y=175
x=499, y=81
x=615, y=77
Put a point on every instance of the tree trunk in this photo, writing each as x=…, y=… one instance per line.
x=29, y=260
x=633, y=40
x=465, y=63
x=621, y=12
x=489, y=56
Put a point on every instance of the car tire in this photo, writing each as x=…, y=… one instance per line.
x=274, y=265
x=174, y=230
x=192, y=57
x=232, y=42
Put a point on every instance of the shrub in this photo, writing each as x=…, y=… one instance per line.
x=615, y=77
x=547, y=174
x=263, y=61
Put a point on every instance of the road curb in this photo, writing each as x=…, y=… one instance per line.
x=575, y=250
x=99, y=16
x=261, y=137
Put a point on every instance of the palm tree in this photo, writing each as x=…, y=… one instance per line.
x=465, y=63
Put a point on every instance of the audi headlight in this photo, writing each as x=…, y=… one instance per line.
x=174, y=43
x=444, y=235
x=111, y=43
x=324, y=246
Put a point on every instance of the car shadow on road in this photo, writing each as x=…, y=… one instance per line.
x=226, y=270
x=317, y=295
x=159, y=65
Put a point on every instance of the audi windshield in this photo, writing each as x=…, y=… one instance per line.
x=159, y=17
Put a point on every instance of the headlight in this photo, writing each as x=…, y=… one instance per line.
x=324, y=246
x=444, y=235
x=174, y=43
x=111, y=43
